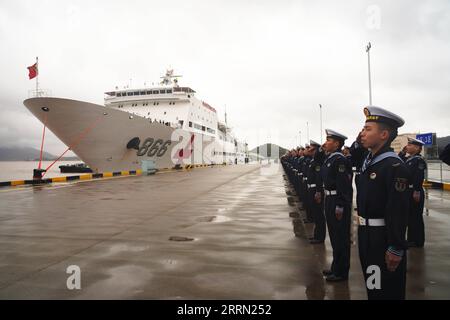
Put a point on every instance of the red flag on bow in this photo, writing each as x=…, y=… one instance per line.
x=33, y=71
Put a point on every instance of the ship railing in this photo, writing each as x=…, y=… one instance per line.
x=437, y=171
x=39, y=93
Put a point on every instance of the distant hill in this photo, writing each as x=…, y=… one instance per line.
x=442, y=142
x=27, y=154
x=267, y=150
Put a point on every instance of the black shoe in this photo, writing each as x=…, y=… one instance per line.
x=327, y=273
x=315, y=241
x=412, y=244
x=335, y=278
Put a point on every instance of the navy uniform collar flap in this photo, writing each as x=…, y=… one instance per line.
x=378, y=158
x=412, y=158
x=332, y=155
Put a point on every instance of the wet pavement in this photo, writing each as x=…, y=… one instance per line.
x=208, y=233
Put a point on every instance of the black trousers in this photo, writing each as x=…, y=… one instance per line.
x=307, y=202
x=320, y=228
x=416, y=227
x=339, y=232
x=372, y=250
x=297, y=186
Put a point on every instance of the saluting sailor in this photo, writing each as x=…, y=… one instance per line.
x=383, y=206
x=304, y=173
x=337, y=183
x=315, y=192
x=416, y=166
x=298, y=178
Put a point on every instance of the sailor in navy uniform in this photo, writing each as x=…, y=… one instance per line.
x=416, y=166
x=304, y=173
x=315, y=192
x=298, y=176
x=337, y=183
x=383, y=208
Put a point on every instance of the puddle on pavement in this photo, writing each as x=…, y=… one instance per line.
x=216, y=219
x=179, y=238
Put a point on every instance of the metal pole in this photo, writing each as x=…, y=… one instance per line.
x=370, y=81
x=320, y=106
x=307, y=132
x=37, y=76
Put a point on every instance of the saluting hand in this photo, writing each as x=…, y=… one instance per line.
x=339, y=213
x=318, y=197
x=416, y=196
x=392, y=261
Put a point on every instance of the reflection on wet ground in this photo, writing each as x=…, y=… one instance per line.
x=231, y=232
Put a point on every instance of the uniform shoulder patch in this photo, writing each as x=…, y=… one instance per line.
x=317, y=168
x=421, y=165
x=341, y=168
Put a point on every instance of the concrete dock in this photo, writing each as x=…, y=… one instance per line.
x=208, y=233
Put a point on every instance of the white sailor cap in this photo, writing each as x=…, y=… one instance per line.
x=312, y=143
x=336, y=135
x=415, y=142
x=306, y=145
x=377, y=114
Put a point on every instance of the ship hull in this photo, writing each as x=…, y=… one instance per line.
x=105, y=138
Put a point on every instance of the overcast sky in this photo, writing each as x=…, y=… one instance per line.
x=270, y=62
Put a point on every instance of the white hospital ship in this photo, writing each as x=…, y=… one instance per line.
x=162, y=126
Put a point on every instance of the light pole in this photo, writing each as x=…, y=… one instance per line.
x=307, y=132
x=320, y=106
x=368, y=63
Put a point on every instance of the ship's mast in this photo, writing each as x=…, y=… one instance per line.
x=167, y=78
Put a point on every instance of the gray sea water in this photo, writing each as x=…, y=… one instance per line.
x=20, y=170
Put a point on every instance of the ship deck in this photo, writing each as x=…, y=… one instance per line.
x=208, y=233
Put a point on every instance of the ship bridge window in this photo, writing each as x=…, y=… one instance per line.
x=119, y=94
x=162, y=91
x=136, y=93
x=190, y=124
x=155, y=91
x=169, y=90
x=129, y=93
x=142, y=92
x=149, y=92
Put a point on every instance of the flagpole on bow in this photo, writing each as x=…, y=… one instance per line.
x=37, y=76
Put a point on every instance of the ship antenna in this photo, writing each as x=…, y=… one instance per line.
x=226, y=123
